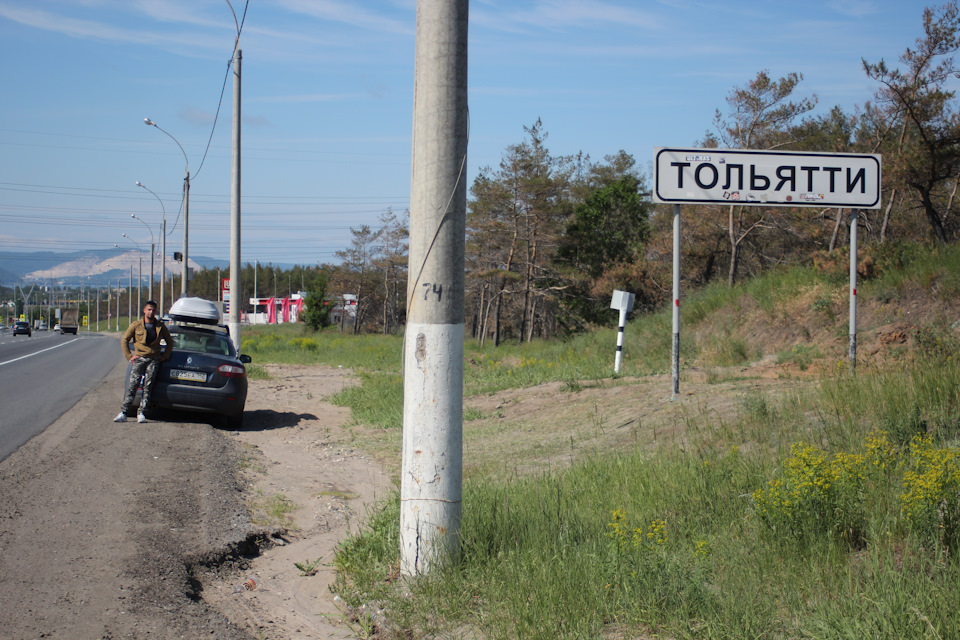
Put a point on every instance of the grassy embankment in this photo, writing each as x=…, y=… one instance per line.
x=831, y=511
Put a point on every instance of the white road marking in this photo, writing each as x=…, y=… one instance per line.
x=35, y=353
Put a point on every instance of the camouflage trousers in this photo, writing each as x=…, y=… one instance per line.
x=147, y=368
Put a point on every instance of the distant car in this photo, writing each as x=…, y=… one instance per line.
x=42, y=326
x=22, y=328
x=205, y=373
x=56, y=328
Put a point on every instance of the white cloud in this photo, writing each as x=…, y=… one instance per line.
x=83, y=29
x=855, y=8
x=563, y=14
x=72, y=27
x=310, y=97
x=196, y=116
x=348, y=13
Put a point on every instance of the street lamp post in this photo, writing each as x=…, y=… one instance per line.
x=152, y=249
x=186, y=206
x=140, y=271
x=163, y=248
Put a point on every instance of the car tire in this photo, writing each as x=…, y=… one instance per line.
x=234, y=423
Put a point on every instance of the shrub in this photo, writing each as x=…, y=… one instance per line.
x=931, y=498
x=819, y=493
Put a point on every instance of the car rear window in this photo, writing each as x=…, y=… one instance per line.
x=202, y=341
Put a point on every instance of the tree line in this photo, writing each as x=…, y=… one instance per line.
x=549, y=237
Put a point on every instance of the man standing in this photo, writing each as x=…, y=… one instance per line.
x=146, y=334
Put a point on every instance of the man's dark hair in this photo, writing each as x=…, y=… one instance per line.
x=151, y=302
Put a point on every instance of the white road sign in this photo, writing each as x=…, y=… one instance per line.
x=766, y=178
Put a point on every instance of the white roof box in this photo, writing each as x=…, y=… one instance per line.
x=195, y=310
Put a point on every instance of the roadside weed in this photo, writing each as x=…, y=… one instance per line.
x=308, y=567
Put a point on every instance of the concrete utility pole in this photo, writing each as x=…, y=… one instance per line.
x=431, y=484
x=233, y=316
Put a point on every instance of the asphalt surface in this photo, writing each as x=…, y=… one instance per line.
x=110, y=530
x=44, y=375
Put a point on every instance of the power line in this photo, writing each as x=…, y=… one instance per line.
x=42, y=188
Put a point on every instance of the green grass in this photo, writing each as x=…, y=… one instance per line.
x=801, y=355
x=675, y=543
x=787, y=520
x=295, y=344
x=272, y=510
x=589, y=357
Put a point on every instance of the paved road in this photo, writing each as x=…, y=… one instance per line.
x=43, y=376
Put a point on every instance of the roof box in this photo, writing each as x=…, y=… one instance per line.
x=195, y=310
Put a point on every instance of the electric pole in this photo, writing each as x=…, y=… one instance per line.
x=233, y=315
x=431, y=485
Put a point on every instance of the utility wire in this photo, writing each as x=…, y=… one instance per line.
x=216, y=118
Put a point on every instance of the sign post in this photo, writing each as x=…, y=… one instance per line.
x=675, y=352
x=853, y=289
x=622, y=301
x=746, y=177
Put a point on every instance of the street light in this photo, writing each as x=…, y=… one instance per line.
x=152, y=248
x=140, y=273
x=186, y=205
x=163, y=248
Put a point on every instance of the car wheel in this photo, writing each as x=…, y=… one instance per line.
x=234, y=423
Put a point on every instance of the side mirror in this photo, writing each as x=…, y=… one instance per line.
x=245, y=359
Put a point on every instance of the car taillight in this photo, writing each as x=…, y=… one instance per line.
x=231, y=371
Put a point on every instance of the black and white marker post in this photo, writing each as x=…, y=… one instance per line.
x=622, y=301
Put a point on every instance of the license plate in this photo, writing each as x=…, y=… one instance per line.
x=193, y=376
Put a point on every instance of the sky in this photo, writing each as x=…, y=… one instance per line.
x=327, y=97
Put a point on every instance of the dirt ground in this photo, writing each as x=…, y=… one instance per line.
x=142, y=531
x=296, y=446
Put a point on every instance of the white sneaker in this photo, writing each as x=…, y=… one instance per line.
x=121, y=417
x=141, y=418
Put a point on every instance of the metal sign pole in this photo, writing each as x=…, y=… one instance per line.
x=676, y=300
x=853, y=289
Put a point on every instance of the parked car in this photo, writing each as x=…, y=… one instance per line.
x=205, y=373
x=56, y=328
x=42, y=326
x=22, y=328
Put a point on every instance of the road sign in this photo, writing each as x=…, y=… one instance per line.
x=225, y=294
x=766, y=178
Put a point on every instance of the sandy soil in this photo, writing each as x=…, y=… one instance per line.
x=142, y=531
x=297, y=447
